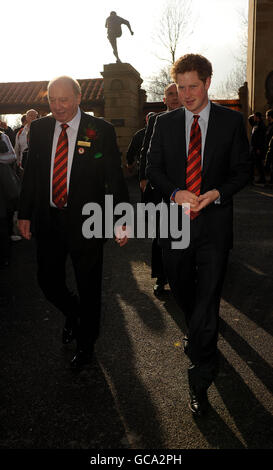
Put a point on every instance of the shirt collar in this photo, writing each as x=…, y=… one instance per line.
x=74, y=123
x=204, y=114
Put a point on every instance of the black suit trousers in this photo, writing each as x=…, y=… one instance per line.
x=52, y=256
x=196, y=276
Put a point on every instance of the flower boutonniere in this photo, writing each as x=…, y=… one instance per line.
x=91, y=133
x=87, y=138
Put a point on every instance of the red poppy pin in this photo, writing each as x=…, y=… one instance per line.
x=90, y=133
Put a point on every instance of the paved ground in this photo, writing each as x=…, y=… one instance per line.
x=135, y=394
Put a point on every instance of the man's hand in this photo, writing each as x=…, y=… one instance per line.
x=143, y=184
x=24, y=228
x=197, y=203
x=184, y=196
x=207, y=198
x=122, y=234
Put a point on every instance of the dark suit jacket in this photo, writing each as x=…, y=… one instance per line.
x=226, y=164
x=133, y=152
x=145, y=145
x=94, y=173
x=150, y=194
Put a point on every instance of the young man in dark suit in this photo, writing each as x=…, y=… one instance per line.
x=199, y=155
x=73, y=159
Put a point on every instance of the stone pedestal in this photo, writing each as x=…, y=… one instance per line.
x=260, y=56
x=123, y=101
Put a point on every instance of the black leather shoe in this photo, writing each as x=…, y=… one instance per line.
x=81, y=359
x=198, y=402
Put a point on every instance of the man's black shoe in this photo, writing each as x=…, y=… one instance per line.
x=81, y=359
x=198, y=402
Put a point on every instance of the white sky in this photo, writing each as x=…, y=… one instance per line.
x=43, y=39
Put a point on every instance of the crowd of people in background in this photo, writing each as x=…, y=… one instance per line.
x=13, y=155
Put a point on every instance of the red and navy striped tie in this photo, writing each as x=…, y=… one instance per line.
x=59, y=184
x=193, y=175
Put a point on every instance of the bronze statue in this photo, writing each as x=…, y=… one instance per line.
x=113, y=25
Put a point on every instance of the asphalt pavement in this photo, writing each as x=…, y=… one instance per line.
x=134, y=395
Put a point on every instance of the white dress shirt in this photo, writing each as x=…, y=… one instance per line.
x=21, y=143
x=203, y=123
x=72, y=132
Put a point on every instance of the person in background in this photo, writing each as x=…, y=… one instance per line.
x=7, y=130
x=21, y=140
x=258, y=147
x=23, y=123
x=7, y=157
x=150, y=194
x=135, y=146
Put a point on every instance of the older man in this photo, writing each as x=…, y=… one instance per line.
x=73, y=160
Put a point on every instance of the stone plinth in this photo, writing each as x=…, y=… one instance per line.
x=123, y=101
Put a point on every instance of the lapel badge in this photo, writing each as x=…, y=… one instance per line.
x=81, y=150
x=83, y=143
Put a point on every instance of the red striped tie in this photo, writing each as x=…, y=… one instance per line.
x=59, y=184
x=193, y=176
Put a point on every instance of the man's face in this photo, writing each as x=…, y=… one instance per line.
x=192, y=92
x=171, y=98
x=31, y=116
x=63, y=101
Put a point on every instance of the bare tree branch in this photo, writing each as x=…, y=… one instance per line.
x=175, y=25
x=229, y=88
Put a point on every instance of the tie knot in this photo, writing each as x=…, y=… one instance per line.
x=64, y=126
x=196, y=117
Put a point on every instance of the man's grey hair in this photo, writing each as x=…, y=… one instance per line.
x=65, y=79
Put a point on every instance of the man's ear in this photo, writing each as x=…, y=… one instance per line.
x=207, y=83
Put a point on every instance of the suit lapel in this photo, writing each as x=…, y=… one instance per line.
x=77, y=157
x=46, y=151
x=49, y=140
x=210, y=140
